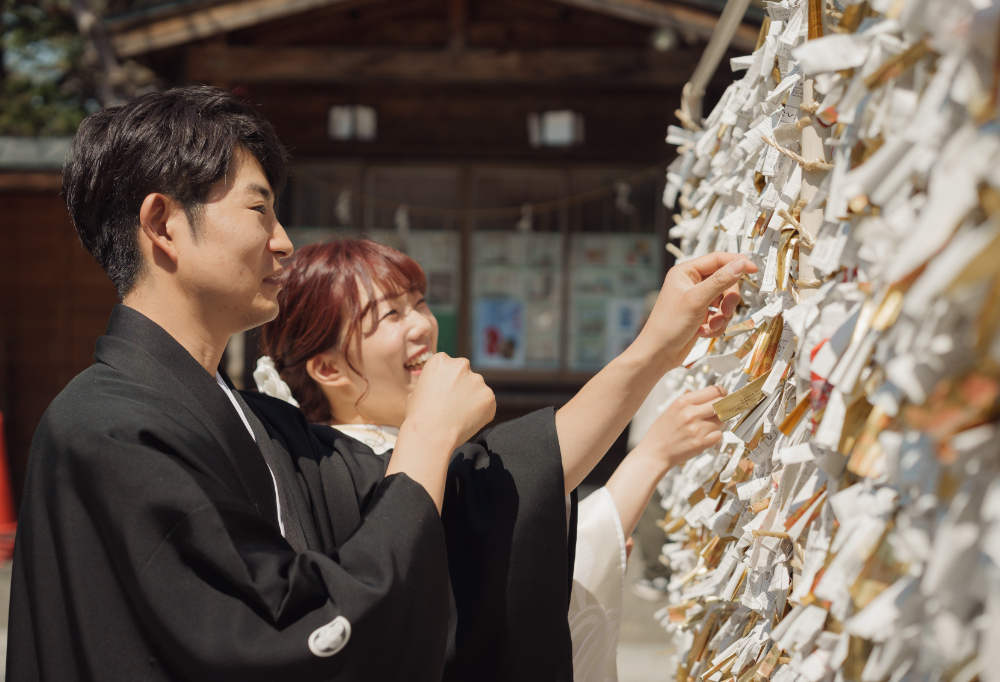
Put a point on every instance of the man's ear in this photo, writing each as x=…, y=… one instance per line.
x=329, y=369
x=159, y=220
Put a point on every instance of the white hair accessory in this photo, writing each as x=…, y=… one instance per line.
x=269, y=382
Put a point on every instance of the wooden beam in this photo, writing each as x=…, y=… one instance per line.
x=617, y=66
x=30, y=182
x=132, y=37
x=679, y=17
x=458, y=14
x=204, y=23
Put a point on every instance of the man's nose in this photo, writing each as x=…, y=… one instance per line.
x=281, y=245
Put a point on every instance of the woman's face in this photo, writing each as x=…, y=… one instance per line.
x=393, y=353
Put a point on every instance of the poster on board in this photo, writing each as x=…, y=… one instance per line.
x=499, y=333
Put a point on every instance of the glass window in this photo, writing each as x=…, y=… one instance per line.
x=556, y=261
x=388, y=205
x=614, y=262
x=415, y=209
x=326, y=195
x=517, y=268
x=516, y=299
x=610, y=274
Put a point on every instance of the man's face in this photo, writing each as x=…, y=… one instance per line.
x=231, y=262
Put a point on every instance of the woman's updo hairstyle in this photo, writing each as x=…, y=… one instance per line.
x=321, y=309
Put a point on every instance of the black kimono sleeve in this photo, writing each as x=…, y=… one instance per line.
x=135, y=561
x=509, y=555
x=505, y=518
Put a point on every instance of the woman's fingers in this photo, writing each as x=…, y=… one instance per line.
x=729, y=303
x=716, y=322
x=700, y=405
x=712, y=438
x=709, y=395
x=710, y=263
x=722, y=280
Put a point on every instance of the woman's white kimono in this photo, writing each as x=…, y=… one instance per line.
x=595, y=607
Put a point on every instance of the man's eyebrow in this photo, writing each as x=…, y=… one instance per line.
x=253, y=187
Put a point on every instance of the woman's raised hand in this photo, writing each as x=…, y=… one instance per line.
x=450, y=398
x=682, y=315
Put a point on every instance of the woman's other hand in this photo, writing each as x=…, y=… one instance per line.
x=685, y=429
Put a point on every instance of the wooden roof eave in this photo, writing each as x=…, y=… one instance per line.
x=205, y=22
x=676, y=16
x=201, y=21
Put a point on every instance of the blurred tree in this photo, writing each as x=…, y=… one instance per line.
x=54, y=68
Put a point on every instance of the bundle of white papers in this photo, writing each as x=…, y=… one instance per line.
x=848, y=525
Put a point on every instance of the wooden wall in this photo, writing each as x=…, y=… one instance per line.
x=433, y=122
x=450, y=80
x=56, y=303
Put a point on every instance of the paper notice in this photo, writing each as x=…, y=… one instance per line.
x=724, y=364
x=775, y=307
x=782, y=356
x=739, y=328
x=733, y=221
x=698, y=351
x=764, y=450
x=803, y=630
x=787, y=84
x=831, y=351
x=770, y=282
x=754, y=139
x=877, y=621
x=828, y=433
x=778, y=11
x=730, y=589
x=803, y=452
x=755, y=490
x=831, y=53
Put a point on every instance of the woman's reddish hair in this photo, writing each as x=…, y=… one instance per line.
x=321, y=309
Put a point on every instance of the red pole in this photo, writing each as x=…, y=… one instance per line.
x=8, y=514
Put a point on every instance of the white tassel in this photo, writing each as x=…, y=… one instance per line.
x=269, y=382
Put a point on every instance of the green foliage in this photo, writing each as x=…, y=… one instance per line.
x=48, y=83
x=40, y=109
x=49, y=77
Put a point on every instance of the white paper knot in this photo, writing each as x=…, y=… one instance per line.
x=269, y=382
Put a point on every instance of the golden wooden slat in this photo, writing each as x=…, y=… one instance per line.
x=742, y=400
x=898, y=65
x=795, y=416
x=815, y=19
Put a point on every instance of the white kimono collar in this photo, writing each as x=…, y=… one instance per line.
x=379, y=438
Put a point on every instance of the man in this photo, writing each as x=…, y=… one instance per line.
x=169, y=530
x=151, y=542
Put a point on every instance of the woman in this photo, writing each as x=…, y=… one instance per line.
x=349, y=345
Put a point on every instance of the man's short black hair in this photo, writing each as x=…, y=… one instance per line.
x=178, y=143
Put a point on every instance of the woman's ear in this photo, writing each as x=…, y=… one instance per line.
x=329, y=370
